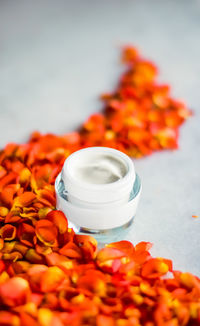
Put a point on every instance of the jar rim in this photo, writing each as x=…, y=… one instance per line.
x=130, y=174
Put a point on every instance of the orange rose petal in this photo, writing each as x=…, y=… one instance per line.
x=124, y=246
x=54, y=258
x=24, y=176
x=190, y=281
x=59, y=220
x=35, y=276
x=45, y=317
x=7, y=179
x=26, y=319
x=3, y=172
x=33, y=257
x=26, y=234
x=47, y=196
x=71, y=250
x=156, y=267
x=8, y=246
x=15, y=255
x=3, y=211
x=20, y=247
x=46, y=232
x=9, y=319
x=20, y=267
x=140, y=257
x=103, y=320
x=25, y=199
x=93, y=281
x=51, y=278
x=129, y=54
x=110, y=253
x=8, y=232
x=2, y=266
x=143, y=246
x=1, y=244
x=42, y=249
x=8, y=194
x=12, y=217
x=50, y=301
x=14, y=292
x=43, y=211
x=88, y=246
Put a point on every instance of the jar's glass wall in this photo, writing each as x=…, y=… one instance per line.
x=105, y=235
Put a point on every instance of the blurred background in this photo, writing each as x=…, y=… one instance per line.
x=57, y=57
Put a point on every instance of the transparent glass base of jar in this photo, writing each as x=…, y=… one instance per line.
x=104, y=235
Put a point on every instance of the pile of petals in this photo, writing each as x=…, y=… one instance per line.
x=50, y=276
x=140, y=117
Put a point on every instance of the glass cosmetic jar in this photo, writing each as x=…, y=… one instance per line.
x=98, y=190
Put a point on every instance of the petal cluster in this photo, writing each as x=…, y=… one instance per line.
x=74, y=283
x=140, y=117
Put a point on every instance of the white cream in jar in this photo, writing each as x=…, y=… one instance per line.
x=98, y=190
x=103, y=169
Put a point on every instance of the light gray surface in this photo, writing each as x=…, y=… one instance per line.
x=57, y=57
